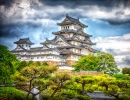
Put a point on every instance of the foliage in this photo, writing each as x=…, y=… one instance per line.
x=58, y=81
x=11, y=93
x=21, y=65
x=98, y=62
x=7, y=65
x=84, y=81
x=48, y=97
x=45, y=64
x=34, y=76
x=124, y=84
x=122, y=77
x=126, y=71
x=77, y=86
x=88, y=62
x=72, y=94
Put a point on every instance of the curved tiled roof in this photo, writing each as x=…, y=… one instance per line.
x=23, y=41
x=72, y=21
x=49, y=41
x=72, y=31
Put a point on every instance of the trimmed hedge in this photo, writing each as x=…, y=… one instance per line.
x=11, y=93
x=48, y=97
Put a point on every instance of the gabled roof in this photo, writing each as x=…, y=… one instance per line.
x=16, y=49
x=71, y=21
x=49, y=42
x=35, y=49
x=65, y=51
x=72, y=31
x=23, y=41
x=60, y=36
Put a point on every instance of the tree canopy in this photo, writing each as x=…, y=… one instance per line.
x=7, y=65
x=33, y=76
x=97, y=62
x=126, y=70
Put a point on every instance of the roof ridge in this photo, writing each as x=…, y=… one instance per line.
x=72, y=17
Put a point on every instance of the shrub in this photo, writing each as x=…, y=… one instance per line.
x=11, y=93
x=122, y=77
x=81, y=97
x=126, y=71
x=48, y=97
x=124, y=97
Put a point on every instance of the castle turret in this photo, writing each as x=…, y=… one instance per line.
x=24, y=43
x=70, y=23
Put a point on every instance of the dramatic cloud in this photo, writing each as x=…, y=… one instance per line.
x=37, y=20
x=40, y=13
x=115, y=11
x=126, y=60
x=117, y=46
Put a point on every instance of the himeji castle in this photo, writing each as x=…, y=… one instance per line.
x=68, y=45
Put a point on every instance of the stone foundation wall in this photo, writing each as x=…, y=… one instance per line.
x=70, y=62
x=80, y=73
x=52, y=63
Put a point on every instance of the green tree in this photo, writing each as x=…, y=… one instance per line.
x=89, y=62
x=34, y=76
x=7, y=65
x=107, y=63
x=21, y=65
x=99, y=62
x=58, y=81
x=124, y=84
x=84, y=80
x=126, y=70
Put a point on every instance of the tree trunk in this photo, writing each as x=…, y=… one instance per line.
x=54, y=92
x=106, y=88
x=83, y=89
x=30, y=84
x=33, y=96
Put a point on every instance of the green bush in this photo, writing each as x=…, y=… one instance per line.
x=122, y=77
x=81, y=97
x=48, y=97
x=126, y=71
x=11, y=93
x=70, y=94
x=124, y=97
x=45, y=97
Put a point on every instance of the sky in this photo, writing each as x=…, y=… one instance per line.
x=108, y=22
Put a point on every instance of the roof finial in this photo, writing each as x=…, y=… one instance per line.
x=66, y=14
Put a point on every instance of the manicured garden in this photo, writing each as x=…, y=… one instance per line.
x=18, y=79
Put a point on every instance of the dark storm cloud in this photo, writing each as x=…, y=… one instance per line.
x=9, y=31
x=105, y=6
x=116, y=21
x=6, y=3
x=16, y=29
x=76, y=3
x=126, y=60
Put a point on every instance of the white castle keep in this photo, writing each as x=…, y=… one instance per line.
x=69, y=44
